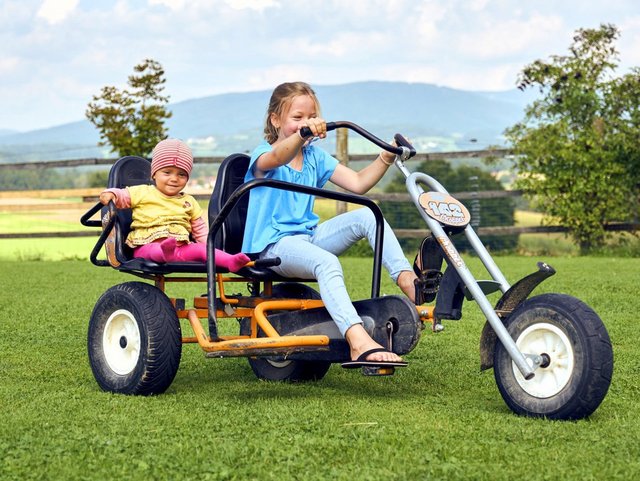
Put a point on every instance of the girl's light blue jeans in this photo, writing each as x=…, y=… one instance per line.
x=315, y=256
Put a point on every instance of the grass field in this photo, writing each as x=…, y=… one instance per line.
x=439, y=418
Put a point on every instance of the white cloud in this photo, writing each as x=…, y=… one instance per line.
x=478, y=5
x=427, y=22
x=8, y=65
x=55, y=11
x=504, y=39
x=259, y=5
x=270, y=77
x=49, y=68
x=630, y=43
x=171, y=4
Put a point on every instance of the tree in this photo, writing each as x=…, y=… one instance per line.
x=492, y=212
x=132, y=121
x=577, y=147
x=32, y=179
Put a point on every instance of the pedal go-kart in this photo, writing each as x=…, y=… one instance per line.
x=551, y=353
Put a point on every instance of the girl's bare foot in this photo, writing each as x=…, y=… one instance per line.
x=360, y=342
x=406, y=284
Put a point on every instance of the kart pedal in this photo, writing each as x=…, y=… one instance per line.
x=427, y=285
x=378, y=370
x=427, y=266
x=382, y=370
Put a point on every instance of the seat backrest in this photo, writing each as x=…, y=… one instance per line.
x=230, y=176
x=125, y=172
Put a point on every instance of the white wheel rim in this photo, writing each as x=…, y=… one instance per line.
x=278, y=364
x=121, y=342
x=540, y=339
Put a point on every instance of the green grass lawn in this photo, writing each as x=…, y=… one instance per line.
x=439, y=418
x=45, y=221
x=47, y=248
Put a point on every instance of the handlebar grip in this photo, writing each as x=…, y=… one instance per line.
x=86, y=221
x=306, y=131
x=402, y=142
x=269, y=262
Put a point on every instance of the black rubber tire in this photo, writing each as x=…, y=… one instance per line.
x=574, y=341
x=134, y=340
x=288, y=370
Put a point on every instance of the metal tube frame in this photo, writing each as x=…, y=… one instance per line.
x=455, y=260
x=276, y=184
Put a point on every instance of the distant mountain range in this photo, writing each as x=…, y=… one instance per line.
x=435, y=118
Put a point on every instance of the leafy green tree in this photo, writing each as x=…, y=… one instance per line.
x=98, y=178
x=132, y=121
x=490, y=212
x=32, y=179
x=577, y=147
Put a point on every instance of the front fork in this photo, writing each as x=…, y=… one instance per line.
x=527, y=364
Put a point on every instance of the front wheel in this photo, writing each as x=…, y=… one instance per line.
x=577, y=359
x=134, y=340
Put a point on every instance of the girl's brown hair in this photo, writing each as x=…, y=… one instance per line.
x=280, y=100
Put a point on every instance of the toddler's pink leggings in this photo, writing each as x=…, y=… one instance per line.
x=169, y=250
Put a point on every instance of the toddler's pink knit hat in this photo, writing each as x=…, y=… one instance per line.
x=171, y=153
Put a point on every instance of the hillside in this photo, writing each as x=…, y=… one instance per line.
x=435, y=118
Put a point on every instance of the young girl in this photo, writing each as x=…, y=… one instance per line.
x=164, y=217
x=282, y=223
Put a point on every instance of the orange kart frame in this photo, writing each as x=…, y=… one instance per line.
x=260, y=338
x=550, y=353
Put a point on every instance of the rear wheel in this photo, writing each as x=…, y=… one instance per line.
x=134, y=340
x=278, y=368
x=577, y=359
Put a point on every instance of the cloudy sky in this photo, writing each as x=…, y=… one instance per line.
x=56, y=54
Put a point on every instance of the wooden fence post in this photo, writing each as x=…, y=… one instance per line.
x=342, y=154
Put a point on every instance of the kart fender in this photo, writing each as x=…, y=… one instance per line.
x=511, y=299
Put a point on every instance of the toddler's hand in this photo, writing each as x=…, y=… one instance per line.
x=105, y=197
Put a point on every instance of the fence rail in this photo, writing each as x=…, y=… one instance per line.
x=400, y=233
x=420, y=157
x=90, y=196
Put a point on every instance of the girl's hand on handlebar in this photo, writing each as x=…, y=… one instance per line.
x=317, y=126
x=387, y=157
x=406, y=143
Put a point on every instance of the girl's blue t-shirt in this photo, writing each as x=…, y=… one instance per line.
x=275, y=213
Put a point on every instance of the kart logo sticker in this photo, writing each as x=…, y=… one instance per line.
x=445, y=209
x=450, y=251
